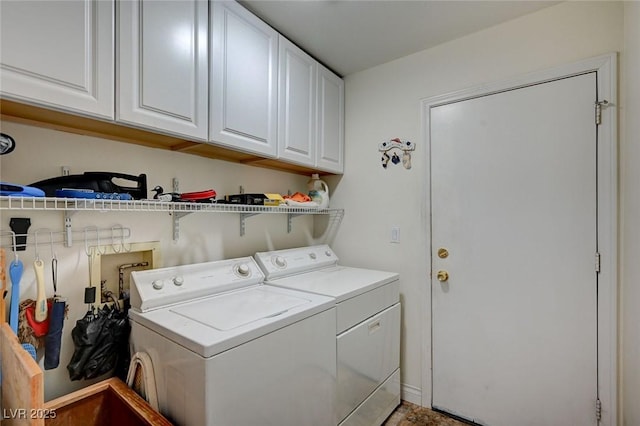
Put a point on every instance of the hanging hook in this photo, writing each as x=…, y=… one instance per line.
x=35, y=234
x=54, y=266
x=15, y=246
x=36, y=244
x=128, y=250
x=86, y=239
x=99, y=244
x=113, y=245
x=53, y=253
x=122, y=244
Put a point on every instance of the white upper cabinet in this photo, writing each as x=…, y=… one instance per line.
x=58, y=54
x=330, y=125
x=296, y=104
x=162, y=81
x=243, y=107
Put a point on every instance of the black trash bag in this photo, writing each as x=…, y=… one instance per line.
x=112, y=344
x=101, y=340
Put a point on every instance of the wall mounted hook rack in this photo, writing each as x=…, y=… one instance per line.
x=396, y=144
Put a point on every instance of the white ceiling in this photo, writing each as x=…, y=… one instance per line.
x=353, y=35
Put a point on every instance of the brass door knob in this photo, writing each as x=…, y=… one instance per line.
x=442, y=276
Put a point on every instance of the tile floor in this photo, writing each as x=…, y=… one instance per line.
x=408, y=414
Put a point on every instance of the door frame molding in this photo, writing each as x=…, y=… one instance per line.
x=605, y=67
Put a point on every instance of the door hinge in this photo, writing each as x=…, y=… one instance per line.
x=598, y=409
x=599, y=105
x=597, y=262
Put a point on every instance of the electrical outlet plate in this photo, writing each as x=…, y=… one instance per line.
x=105, y=260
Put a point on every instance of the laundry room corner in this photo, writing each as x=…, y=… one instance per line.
x=384, y=103
x=322, y=213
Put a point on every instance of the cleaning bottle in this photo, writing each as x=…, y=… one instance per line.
x=318, y=191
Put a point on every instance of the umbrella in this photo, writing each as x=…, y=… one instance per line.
x=57, y=312
x=100, y=341
x=53, y=338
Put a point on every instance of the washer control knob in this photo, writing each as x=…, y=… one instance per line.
x=327, y=253
x=243, y=270
x=157, y=284
x=280, y=262
x=312, y=256
x=178, y=280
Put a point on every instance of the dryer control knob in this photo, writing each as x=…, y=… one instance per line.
x=178, y=280
x=243, y=270
x=280, y=262
x=312, y=256
x=158, y=284
x=327, y=253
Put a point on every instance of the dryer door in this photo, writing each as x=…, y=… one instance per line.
x=367, y=355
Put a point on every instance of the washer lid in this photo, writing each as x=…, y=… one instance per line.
x=339, y=282
x=208, y=326
x=236, y=309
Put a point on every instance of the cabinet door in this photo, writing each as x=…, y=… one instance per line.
x=330, y=139
x=243, y=80
x=163, y=66
x=296, y=104
x=58, y=54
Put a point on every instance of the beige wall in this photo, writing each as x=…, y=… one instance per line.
x=384, y=102
x=40, y=153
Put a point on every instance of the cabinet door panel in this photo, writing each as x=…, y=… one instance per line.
x=296, y=104
x=163, y=60
x=59, y=54
x=243, y=80
x=330, y=142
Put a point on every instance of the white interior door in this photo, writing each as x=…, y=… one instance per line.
x=513, y=196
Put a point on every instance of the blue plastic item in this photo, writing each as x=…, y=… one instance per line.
x=13, y=190
x=15, y=274
x=90, y=194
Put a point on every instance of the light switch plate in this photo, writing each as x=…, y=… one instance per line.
x=395, y=234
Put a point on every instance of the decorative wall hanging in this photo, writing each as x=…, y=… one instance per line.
x=396, y=144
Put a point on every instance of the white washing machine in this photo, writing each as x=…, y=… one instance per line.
x=367, y=326
x=228, y=350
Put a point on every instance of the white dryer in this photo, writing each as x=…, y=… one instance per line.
x=228, y=350
x=367, y=326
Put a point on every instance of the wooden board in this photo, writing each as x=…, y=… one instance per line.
x=41, y=117
x=22, y=382
x=109, y=402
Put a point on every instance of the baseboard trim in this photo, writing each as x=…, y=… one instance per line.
x=411, y=394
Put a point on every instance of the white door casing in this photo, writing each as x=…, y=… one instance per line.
x=604, y=69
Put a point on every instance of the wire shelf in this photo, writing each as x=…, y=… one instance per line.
x=178, y=209
x=78, y=204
